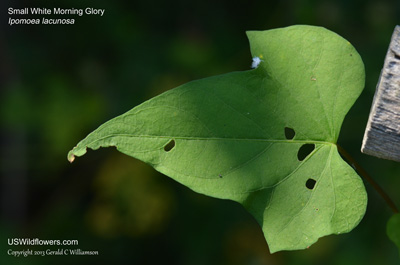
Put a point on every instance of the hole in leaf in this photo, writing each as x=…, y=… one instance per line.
x=304, y=151
x=168, y=147
x=310, y=183
x=289, y=133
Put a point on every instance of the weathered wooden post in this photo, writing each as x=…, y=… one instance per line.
x=382, y=135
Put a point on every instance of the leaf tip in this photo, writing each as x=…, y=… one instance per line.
x=75, y=152
x=71, y=157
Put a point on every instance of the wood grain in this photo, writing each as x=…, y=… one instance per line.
x=382, y=135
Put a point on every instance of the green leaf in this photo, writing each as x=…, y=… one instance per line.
x=265, y=138
x=393, y=229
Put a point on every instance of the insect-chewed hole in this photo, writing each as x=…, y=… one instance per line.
x=304, y=151
x=310, y=183
x=289, y=133
x=168, y=147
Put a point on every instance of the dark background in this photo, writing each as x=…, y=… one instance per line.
x=59, y=82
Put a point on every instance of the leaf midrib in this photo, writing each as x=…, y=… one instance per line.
x=216, y=139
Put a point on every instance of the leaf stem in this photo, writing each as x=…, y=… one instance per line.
x=368, y=178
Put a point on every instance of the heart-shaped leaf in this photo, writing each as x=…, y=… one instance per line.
x=265, y=137
x=393, y=229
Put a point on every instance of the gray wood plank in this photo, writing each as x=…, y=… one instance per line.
x=382, y=134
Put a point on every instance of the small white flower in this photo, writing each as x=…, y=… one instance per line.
x=256, y=61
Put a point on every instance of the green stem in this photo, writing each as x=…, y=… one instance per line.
x=368, y=178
